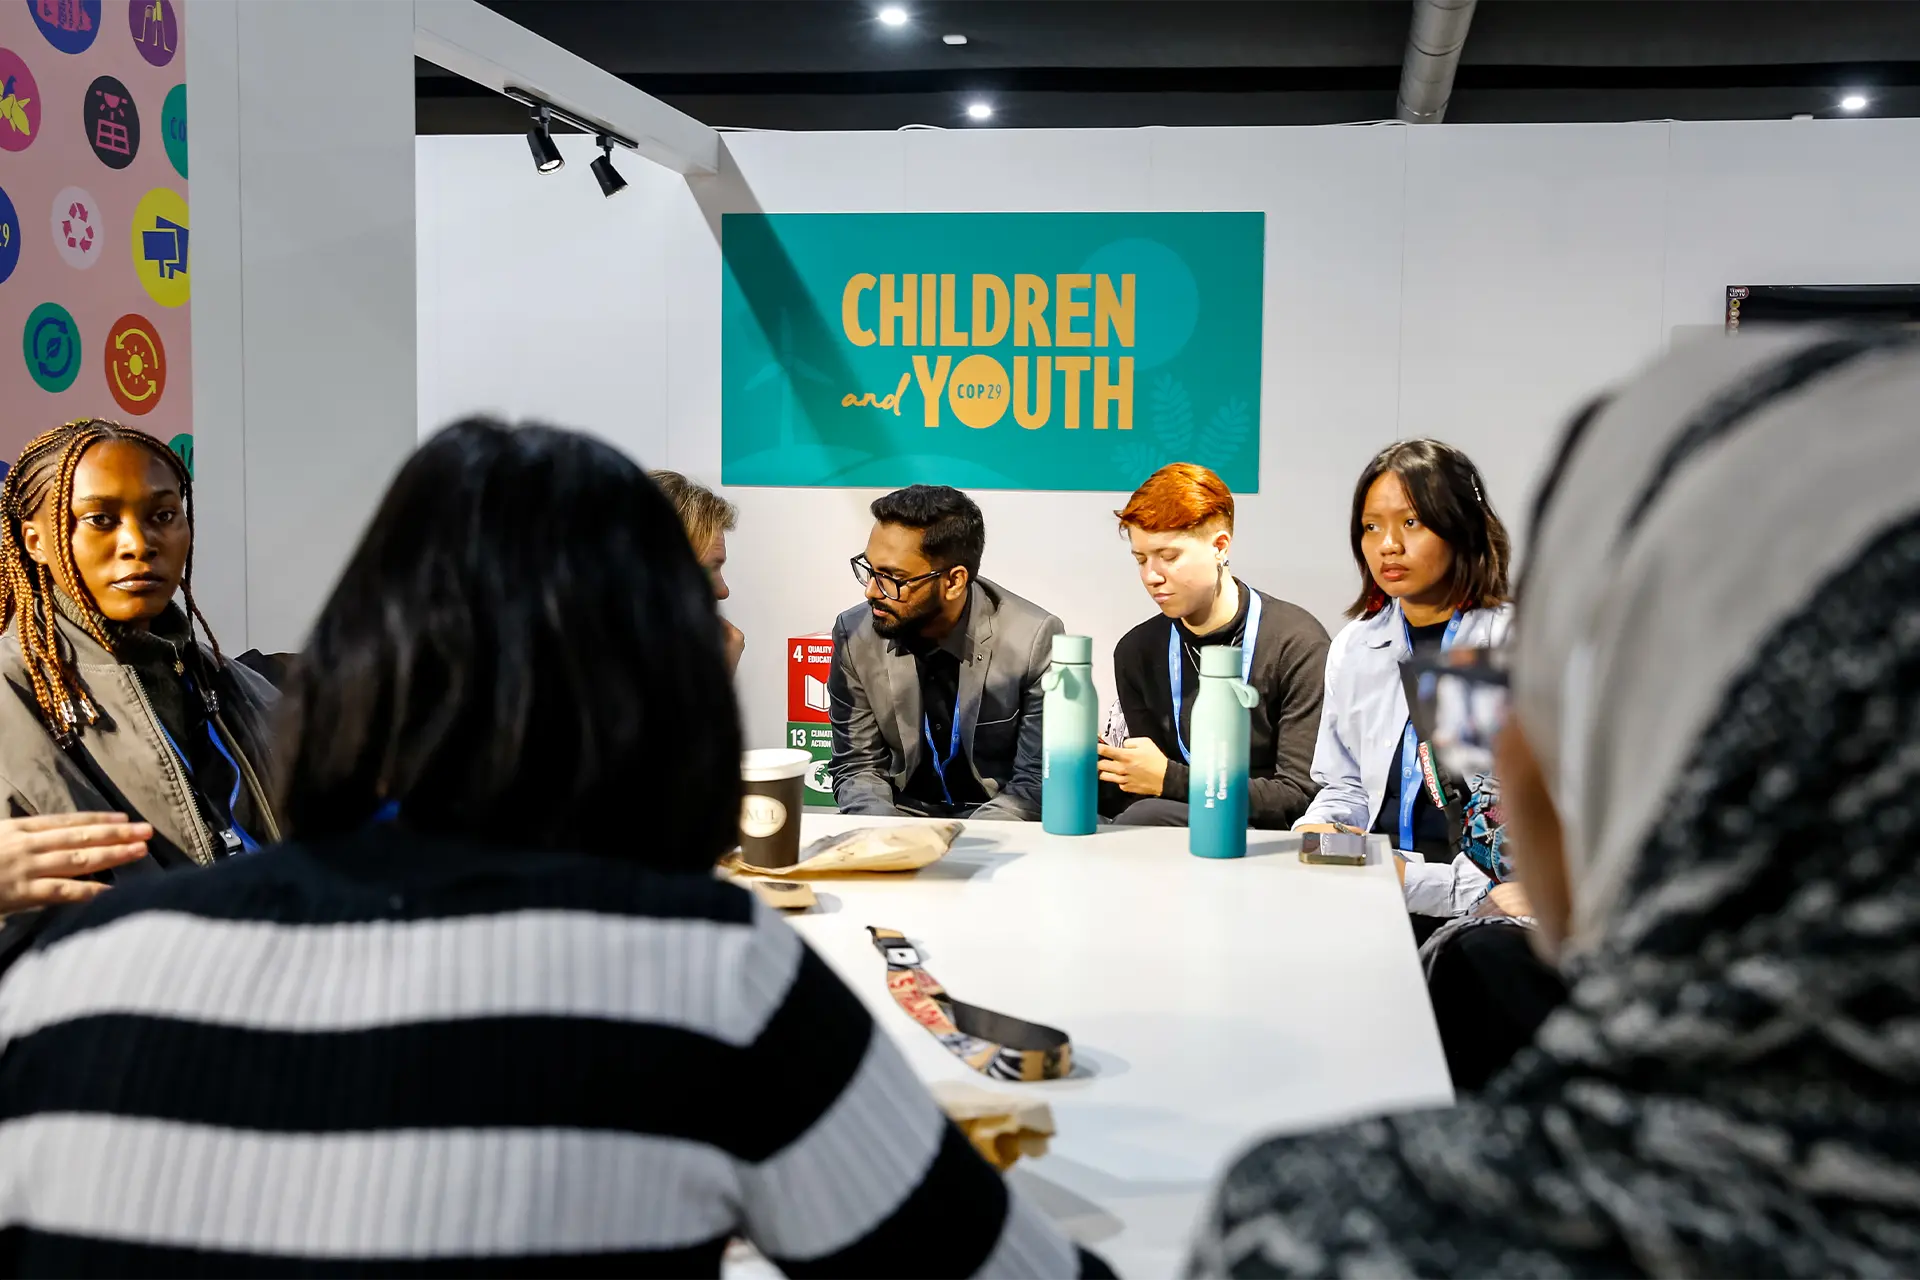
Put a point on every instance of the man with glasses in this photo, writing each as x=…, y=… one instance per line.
x=935, y=689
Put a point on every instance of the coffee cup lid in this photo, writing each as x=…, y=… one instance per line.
x=773, y=763
x=1075, y=649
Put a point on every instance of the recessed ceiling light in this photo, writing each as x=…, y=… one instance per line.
x=979, y=111
x=955, y=38
x=1854, y=102
x=894, y=16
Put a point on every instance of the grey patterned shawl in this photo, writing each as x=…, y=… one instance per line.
x=1718, y=662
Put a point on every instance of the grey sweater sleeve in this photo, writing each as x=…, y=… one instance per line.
x=1292, y=664
x=860, y=756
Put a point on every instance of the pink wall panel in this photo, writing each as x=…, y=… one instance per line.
x=94, y=264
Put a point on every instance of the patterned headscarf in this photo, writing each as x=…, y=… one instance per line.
x=1718, y=663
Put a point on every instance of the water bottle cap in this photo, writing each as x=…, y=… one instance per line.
x=1220, y=660
x=1073, y=649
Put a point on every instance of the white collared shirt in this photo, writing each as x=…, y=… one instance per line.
x=1362, y=720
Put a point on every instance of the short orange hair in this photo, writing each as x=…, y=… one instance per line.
x=1178, y=497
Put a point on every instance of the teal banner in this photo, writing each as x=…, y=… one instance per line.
x=989, y=350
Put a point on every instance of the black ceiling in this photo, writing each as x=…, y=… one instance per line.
x=831, y=64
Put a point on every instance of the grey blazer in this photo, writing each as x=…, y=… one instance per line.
x=874, y=697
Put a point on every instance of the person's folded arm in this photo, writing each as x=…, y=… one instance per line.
x=1275, y=801
x=1336, y=769
x=1444, y=888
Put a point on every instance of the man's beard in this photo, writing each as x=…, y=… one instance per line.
x=888, y=625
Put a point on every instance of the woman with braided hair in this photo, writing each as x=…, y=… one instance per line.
x=112, y=706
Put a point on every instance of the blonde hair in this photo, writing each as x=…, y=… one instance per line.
x=704, y=514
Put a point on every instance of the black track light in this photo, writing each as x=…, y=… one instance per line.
x=546, y=156
x=611, y=183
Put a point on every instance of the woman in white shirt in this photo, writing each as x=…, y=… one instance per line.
x=1433, y=559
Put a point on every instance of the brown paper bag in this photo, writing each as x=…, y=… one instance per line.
x=1001, y=1127
x=906, y=847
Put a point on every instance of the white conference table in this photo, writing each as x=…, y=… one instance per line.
x=1209, y=1003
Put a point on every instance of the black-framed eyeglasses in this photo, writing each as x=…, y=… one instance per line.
x=891, y=587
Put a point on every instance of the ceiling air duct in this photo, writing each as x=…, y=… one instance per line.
x=1434, y=42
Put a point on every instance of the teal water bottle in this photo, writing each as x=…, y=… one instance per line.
x=1217, y=777
x=1069, y=764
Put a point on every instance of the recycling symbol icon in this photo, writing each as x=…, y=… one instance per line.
x=76, y=227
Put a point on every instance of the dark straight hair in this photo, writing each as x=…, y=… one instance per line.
x=521, y=645
x=1451, y=498
x=952, y=530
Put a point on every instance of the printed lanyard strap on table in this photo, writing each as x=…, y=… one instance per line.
x=995, y=1044
x=1416, y=757
x=235, y=838
x=1177, y=667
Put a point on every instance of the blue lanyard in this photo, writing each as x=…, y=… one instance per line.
x=1410, y=741
x=247, y=843
x=940, y=766
x=1177, y=667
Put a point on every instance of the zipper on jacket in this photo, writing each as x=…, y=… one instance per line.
x=204, y=855
x=252, y=779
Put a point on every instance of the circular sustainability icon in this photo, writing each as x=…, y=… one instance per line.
x=182, y=445
x=19, y=103
x=69, y=25
x=173, y=127
x=51, y=345
x=136, y=364
x=78, y=227
x=112, y=123
x=9, y=237
x=155, y=28
x=160, y=245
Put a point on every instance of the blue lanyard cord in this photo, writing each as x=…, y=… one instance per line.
x=940, y=766
x=1177, y=667
x=247, y=843
x=1410, y=780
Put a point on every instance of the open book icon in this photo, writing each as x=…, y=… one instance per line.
x=816, y=693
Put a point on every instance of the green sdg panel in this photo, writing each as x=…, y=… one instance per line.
x=817, y=741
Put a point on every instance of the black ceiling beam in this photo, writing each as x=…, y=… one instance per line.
x=1133, y=80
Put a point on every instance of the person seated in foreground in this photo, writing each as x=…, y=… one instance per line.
x=935, y=690
x=114, y=708
x=483, y=1015
x=708, y=518
x=1180, y=526
x=1432, y=557
x=1709, y=774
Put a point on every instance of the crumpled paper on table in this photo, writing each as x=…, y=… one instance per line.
x=907, y=847
x=1002, y=1128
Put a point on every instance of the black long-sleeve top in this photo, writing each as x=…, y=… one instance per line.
x=1289, y=671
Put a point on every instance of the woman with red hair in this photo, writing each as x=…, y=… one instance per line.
x=1180, y=526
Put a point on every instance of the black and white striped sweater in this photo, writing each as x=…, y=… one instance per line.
x=393, y=1055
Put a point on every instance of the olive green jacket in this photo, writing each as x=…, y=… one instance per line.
x=128, y=746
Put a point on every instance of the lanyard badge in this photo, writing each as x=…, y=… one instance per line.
x=1416, y=757
x=997, y=1045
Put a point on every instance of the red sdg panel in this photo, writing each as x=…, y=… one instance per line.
x=809, y=658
